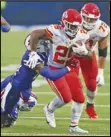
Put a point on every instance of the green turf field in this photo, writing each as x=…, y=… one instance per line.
x=33, y=123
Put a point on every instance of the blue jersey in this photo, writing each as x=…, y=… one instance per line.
x=21, y=81
x=24, y=76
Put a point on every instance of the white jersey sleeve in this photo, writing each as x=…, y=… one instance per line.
x=102, y=29
x=53, y=31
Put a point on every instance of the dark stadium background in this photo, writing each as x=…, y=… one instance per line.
x=38, y=13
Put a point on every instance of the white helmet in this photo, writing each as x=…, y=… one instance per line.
x=27, y=105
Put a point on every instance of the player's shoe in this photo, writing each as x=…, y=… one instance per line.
x=49, y=117
x=76, y=129
x=91, y=112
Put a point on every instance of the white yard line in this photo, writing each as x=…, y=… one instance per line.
x=63, y=118
x=41, y=82
x=69, y=105
x=36, y=134
x=52, y=93
x=37, y=82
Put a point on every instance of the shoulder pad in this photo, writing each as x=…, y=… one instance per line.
x=102, y=29
x=53, y=30
x=82, y=35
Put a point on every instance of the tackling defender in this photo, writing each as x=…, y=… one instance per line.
x=20, y=84
x=98, y=32
x=67, y=39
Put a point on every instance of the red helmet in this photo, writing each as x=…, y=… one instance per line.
x=71, y=21
x=90, y=14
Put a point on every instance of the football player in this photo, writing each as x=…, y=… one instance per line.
x=20, y=84
x=93, y=74
x=67, y=39
x=5, y=26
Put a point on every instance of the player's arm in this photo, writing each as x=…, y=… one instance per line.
x=35, y=36
x=82, y=50
x=102, y=50
x=89, y=54
x=5, y=26
x=51, y=74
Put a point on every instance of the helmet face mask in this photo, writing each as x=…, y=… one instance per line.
x=71, y=22
x=90, y=15
x=89, y=23
x=71, y=29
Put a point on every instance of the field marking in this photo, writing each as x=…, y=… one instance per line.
x=69, y=105
x=13, y=67
x=10, y=67
x=36, y=134
x=41, y=82
x=65, y=118
x=52, y=93
x=37, y=82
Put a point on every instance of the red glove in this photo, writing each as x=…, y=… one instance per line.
x=73, y=64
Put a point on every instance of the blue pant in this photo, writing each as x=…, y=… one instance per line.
x=12, y=96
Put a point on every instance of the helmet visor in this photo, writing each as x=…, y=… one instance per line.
x=90, y=20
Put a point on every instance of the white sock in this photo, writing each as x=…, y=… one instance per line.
x=76, y=112
x=91, y=96
x=55, y=103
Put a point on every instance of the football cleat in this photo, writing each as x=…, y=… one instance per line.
x=49, y=117
x=91, y=112
x=76, y=129
x=9, y=120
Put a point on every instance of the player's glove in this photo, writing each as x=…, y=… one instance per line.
x=73, y=62
x=100, y=77
x=80, y=49
x=34, y=60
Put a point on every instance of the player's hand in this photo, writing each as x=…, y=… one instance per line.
x=34, y=60
x=73, y=64
x=100, y=78
x=80, y=50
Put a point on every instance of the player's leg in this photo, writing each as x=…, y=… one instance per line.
x=62, y=91
x=4, y=83
x=9, y=112
x=9, y=119
x=90, y=74
x=78, y=101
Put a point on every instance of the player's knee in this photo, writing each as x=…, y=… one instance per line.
x=67, y=99
x=80, y=99
x=79, y=96
x=92, y=85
